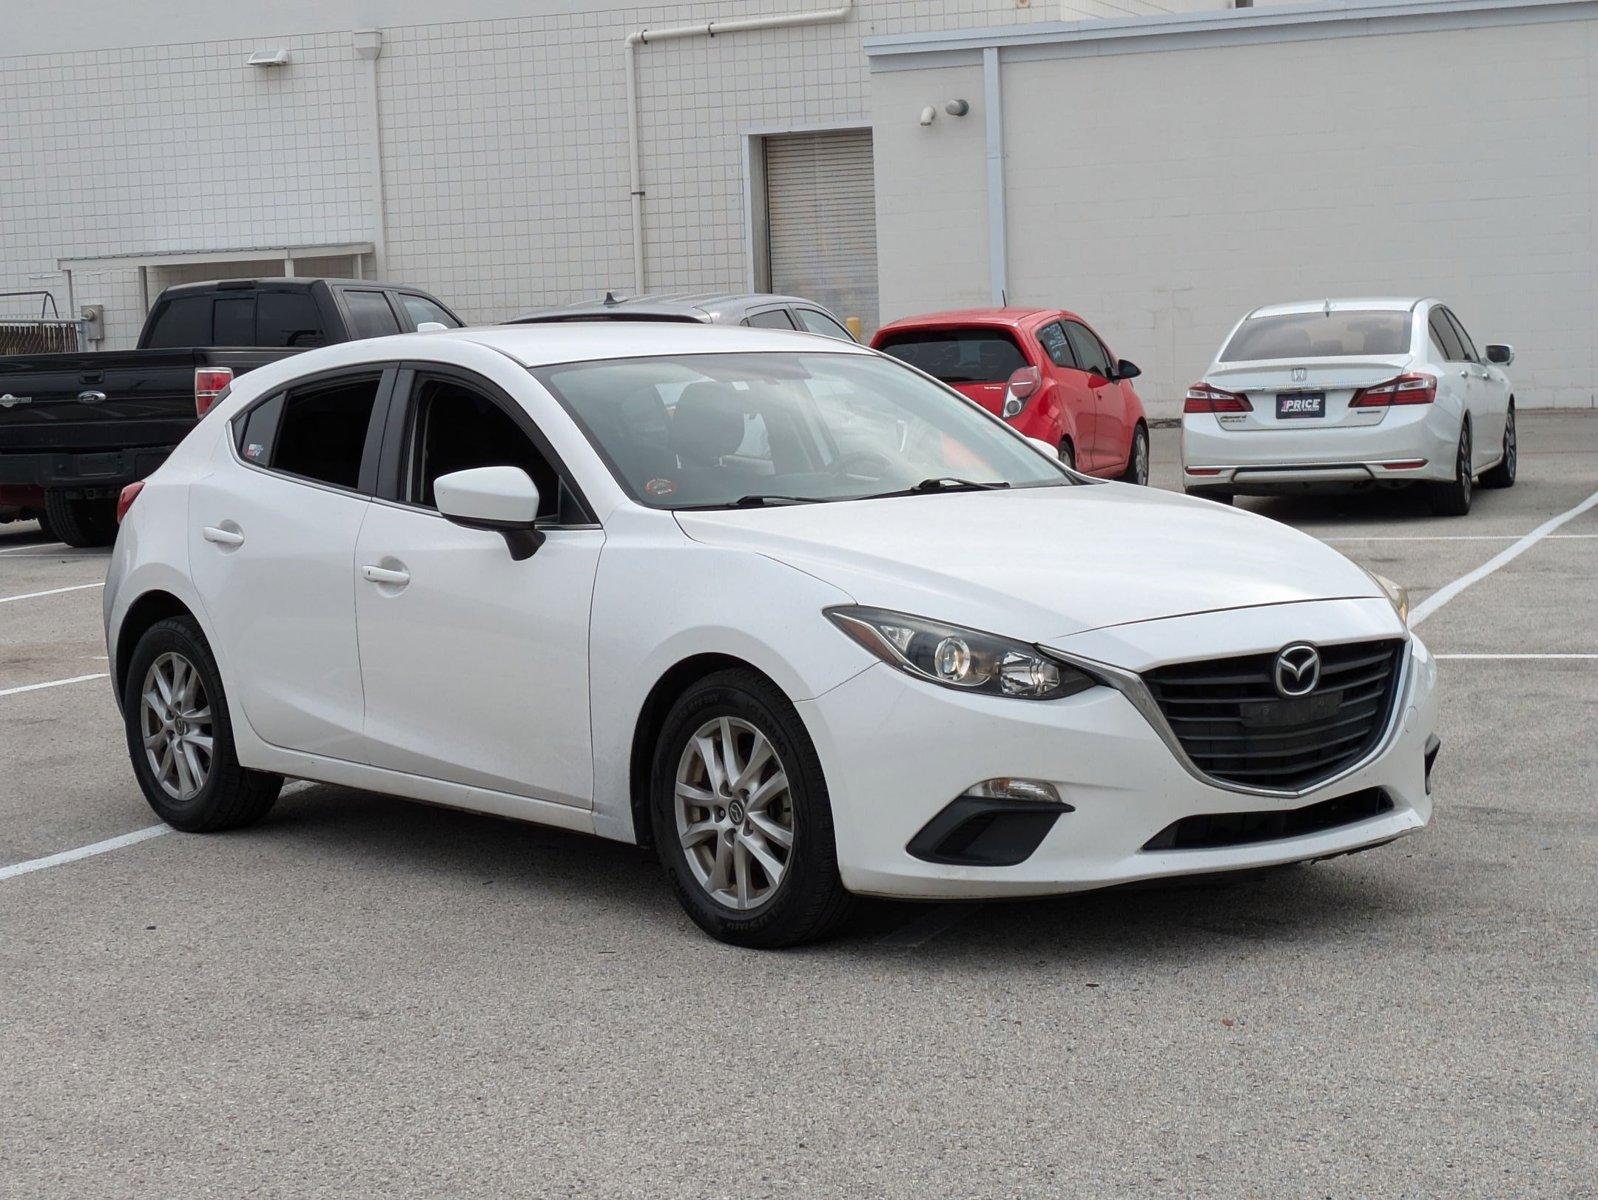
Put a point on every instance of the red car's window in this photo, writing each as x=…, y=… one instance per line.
x=973, y=355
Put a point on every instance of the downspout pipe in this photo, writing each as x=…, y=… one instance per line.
x=645, y=37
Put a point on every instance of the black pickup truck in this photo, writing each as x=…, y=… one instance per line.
x=75, y=428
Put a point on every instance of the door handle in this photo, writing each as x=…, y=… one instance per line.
x=375, y=574
x=223, y=537
x=91, y=397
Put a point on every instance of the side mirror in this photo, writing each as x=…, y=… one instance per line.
x=501, y=500
x=1499, y=354
x=1023, y=383
x=1126, y=369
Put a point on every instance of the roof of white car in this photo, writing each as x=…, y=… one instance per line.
x=577, y=341
x=1362, y=303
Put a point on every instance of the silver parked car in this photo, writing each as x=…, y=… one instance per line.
x=760, y=309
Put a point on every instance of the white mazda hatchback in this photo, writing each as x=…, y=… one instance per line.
x=800, y=617
x=1331, y=395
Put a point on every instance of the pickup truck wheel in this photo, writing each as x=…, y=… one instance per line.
x=80, y=522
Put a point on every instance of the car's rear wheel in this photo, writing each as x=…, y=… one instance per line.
x=1451, y=498
x=80, y=522
x=180, y=735
x=741, y=816
x=1503, y=475
x=1137, y=463
x=1068, y=453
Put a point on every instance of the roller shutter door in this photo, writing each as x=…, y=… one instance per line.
x=822, y=220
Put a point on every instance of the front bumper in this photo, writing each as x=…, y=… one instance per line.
x=1270, y=461
x=88, y=473
x=896, y=751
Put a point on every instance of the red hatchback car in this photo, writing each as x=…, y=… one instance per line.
x=1044, y=371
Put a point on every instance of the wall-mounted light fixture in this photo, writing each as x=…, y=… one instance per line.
x=269, y=58
x=957, y=108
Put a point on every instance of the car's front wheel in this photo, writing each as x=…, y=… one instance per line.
x=741, y=815
x=180, y=735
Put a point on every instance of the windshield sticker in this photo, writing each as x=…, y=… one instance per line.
x=660, y=487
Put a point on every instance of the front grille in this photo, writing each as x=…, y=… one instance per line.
x=1236, y=728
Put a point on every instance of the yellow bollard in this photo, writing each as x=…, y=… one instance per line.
x=853, y=325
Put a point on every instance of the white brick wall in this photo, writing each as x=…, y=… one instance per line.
x=1164, y=194
x=504, y=141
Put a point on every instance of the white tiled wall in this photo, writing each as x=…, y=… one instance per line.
x=1165, y=194
x=504, y=147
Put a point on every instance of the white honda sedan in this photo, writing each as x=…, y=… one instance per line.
x=802, y=618
x=1341, y=394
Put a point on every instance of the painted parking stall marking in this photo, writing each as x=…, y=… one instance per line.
x=77, y=587
x=39, y=687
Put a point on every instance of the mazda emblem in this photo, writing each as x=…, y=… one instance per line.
x=1298, y=670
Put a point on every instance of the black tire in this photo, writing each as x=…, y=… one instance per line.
x=1503, y=475
x=1451, y=498
x=1137, y=462
x=808, y=901
x=1068, y=453
x=230, y=796
x=1208, y=494
x=80, y=522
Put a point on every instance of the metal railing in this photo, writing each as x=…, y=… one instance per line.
x=41, y=334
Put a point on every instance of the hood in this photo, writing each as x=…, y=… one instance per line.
x=1042, y=563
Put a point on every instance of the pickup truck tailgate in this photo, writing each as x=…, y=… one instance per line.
x=107, y=400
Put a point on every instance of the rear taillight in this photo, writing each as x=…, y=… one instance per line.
x=1406, y=389
x=126, y=498
x=210, y=385
x=1207, y=398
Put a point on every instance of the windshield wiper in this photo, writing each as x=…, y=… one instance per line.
x=953, y=483
x=757, y=500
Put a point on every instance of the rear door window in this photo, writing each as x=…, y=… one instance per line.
x=1056, y=345
x=772, y=318
x=420, y=308
x=234, y=321
x=1091, y=356
x=321, y=430
x=1466, y=346
x=1443, y=334
x=820, y=322
x=182, y=321
x=968, y=355
x=288, y=319
x=370, y=314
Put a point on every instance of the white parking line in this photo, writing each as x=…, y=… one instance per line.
x=116, y=843
x=1450, y=537
x=66, y=856
x=38, y=687
x=77, y=587
x=31, y=546
x=1479, y=657
x=1505, y=556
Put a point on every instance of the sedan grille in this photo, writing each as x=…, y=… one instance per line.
x=1237, y=728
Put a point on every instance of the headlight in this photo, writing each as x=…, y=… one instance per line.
x=1397, y=595
x=956, y=657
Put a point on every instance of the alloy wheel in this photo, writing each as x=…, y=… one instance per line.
x=734, y=813
x=1140, y=459
x=1462, y=467
x=1510, y=452
x=175, y=723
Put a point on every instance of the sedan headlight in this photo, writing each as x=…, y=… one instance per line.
x=956, y=657
x=1397, y=595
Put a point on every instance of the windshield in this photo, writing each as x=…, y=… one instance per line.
x=722, y=430
x=1342, y=334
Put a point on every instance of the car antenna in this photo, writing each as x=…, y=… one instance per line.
x=610, y=299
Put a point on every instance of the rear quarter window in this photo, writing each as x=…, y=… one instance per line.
x=958, y=355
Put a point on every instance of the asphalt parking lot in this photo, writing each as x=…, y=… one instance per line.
x=363, y=996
